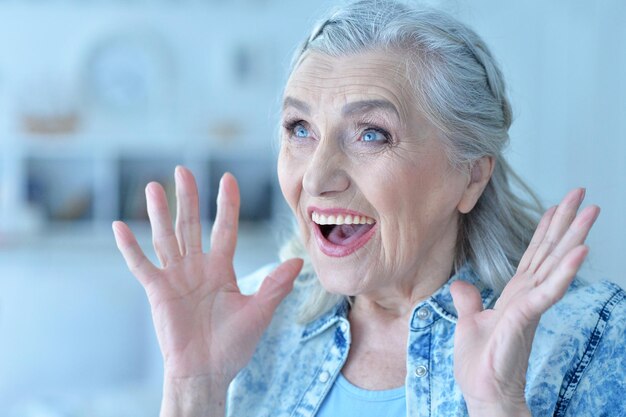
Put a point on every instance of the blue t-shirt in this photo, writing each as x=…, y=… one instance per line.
x=345, y=399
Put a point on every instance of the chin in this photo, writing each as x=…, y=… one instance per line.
x=337, y=281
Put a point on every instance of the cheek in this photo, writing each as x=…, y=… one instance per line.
x=420, y=200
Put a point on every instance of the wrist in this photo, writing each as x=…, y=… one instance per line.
x=498, y=409
x=193, y=397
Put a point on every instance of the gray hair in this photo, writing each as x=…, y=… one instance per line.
x=461, y=90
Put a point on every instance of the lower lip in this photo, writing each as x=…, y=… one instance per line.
x=337, y=251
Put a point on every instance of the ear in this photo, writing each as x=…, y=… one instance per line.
x=480, y=173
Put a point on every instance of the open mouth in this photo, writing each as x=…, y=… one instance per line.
x=342, y=234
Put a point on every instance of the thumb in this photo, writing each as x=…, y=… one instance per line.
x=277, y=285
x=466, y=297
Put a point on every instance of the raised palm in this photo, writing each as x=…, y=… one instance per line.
x=205, y=327
x=492, y=346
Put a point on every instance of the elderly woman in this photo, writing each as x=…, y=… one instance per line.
x=422, y=285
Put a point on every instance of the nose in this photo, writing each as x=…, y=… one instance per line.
x=325, y=174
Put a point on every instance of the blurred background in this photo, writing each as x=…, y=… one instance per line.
x=98, y=97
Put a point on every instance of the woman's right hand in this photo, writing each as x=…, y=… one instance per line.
x=207, y=330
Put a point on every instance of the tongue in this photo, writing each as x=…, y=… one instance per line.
x=347, y=233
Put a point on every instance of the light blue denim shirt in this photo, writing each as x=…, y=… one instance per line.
x=577, y=365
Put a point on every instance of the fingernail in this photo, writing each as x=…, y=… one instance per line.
x=583, y=193
x=595, y=212
x=117, y=227
x=151, y=189
x=178, y=173
x=219, y=187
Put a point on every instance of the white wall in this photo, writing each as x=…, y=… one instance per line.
x=565, y=63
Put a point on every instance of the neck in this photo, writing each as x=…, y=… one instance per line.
x=398, y=301
x=397, y=295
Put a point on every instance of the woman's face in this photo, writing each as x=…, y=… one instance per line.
x=354, y=144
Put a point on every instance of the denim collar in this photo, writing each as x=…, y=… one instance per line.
x=441, y=302
x=338, y=313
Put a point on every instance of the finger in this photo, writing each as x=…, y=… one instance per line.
x=466, y=298
x=276, y=286
x=538, y=236
x=163, y=237
x=135, y=259
x=224, y=233
x=188, y=227
x=552, y=289
x=575, y=236
x=562, y=219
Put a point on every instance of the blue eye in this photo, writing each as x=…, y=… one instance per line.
x=300, y=131
x=373, y=135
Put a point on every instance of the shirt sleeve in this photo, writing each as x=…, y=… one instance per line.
x=597, y=384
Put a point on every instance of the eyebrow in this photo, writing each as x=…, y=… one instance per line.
x=362, y=106
x=298, y=104
x=365, y=106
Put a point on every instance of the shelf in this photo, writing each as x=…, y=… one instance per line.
x=62, y=188
x=255, y=177
x=68, y=182
x=134, y=175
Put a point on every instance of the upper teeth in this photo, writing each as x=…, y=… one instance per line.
x=340, y=219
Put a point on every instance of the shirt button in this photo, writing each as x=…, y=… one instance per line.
x=423, y=313
x=421, y=371
x=324, y=377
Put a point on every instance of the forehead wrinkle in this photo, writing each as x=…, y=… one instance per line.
x=376, y=77
x=384, y=100
x=326, y=67
x=349, y=74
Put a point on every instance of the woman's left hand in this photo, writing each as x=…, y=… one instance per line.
x=492, y=346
